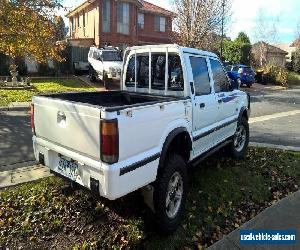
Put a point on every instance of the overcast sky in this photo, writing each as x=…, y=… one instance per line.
x=245, y=12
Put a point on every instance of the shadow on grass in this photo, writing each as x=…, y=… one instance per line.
x=224, y=193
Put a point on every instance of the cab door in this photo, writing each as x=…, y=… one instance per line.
x=226, y=98
x=205, y=106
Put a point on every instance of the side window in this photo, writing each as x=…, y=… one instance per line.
x=175, y=82
x=200, y=74
x=221, y=83
x=158, y=71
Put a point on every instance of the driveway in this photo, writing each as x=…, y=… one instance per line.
x=15, y=138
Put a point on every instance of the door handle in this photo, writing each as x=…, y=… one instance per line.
x=202, y=105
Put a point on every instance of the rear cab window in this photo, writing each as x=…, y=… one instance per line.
x=139, y=71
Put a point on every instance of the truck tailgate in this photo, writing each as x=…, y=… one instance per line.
x=71, y=125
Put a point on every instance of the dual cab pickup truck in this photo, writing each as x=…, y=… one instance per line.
x=175, y=107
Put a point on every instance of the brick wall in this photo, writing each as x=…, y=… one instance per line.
x=137, y=36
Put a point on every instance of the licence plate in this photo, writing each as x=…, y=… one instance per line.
x=68, y=168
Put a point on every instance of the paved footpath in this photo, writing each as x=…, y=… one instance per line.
x=22, y=175
x=285, y=214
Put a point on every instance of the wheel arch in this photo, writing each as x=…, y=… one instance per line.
x=178, y=138
x=244, y=112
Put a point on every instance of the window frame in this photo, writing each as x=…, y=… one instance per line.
x=121, y=25
x=158, y=23
x=141, y=25
x=106, y=15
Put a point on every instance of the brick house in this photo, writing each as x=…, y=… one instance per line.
x=119, y=23
x=263, y=53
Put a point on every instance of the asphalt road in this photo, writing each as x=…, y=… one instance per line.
x=16, y=143
x=282, y=130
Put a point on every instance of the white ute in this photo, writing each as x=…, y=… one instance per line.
x=176, y=106
x=105, y=64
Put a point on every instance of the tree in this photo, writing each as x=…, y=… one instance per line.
x=238, y=51
x=60, y=28
x=27, y=29
x=296, y=60
x=265, y=30
x=243, y=38
x=198, y=22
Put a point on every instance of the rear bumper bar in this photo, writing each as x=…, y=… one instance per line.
x=94, y=174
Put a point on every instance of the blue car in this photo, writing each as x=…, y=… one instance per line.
x=242, y=74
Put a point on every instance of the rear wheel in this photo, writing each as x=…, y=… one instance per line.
x=240, y=141
x=92, y=74
x=170, y=194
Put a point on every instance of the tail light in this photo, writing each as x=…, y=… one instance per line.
x=32, y=118
x=109, y=141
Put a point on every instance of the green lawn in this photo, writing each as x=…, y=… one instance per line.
x=46, y=86
x=293, y=79
x=224, y=194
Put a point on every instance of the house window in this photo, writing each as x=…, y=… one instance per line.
x=106, y=16
x=72, y=25
x=78, y=23
x=123, y=18
x=141, y=20
x=83, y=19
x=160, y=24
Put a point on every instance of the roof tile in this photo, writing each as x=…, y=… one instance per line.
x=154, y=8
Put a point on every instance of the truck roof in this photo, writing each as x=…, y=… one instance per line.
x=183, y=49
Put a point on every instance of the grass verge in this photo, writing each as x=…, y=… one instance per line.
x=46, y=86
x=224, y=194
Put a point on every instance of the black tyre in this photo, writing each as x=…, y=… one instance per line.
x=105, y=81
x=92, y=74
x=238, y=146
x=170, y=194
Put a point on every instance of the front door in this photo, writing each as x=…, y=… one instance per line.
x=205, y=108
x=227, y=100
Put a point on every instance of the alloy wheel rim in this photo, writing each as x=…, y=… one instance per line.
x=174, y=195
x=240, y=138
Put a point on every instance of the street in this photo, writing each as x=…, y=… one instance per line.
x=275, y=119
x=281, y=109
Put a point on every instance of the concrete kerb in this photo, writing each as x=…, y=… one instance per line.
x=16, y=106
x=273, y=146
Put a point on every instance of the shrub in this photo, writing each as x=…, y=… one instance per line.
x=4, y=64
x=276, y=75
x=45, y=70
x=296, y=60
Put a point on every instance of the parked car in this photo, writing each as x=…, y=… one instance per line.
x=166, y=117
x=241, y=74
x=105, y=64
